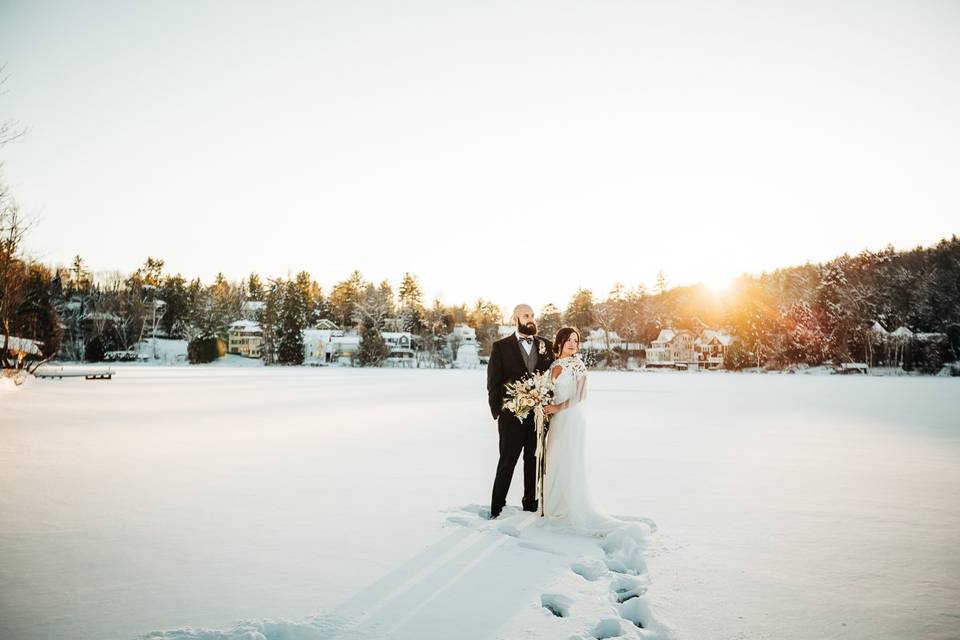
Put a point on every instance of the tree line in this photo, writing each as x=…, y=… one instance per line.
x=808, y=315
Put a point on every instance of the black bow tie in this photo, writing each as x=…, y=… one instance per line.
x=527, y=340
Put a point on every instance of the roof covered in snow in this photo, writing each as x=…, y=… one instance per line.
x=245, y=325
x=24, y=345
x=722, y=338
x=665, y=335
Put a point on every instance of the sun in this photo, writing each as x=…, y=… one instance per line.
x=718, y=284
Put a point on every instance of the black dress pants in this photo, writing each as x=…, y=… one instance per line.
x=515, y=438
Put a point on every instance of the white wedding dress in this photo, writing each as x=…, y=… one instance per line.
x=567, y=499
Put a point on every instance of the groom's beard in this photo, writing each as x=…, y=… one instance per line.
x=529, y=329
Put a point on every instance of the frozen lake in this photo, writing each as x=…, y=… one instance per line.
x=786, y=507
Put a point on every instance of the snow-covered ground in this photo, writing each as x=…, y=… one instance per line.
x=345, y=503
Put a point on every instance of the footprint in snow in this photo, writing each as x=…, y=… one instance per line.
x=558, y=605
x=627, y=587
x=589, y=569
x=607, y=628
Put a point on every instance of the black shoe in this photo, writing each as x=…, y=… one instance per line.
x=532, y=508
x=494, y=515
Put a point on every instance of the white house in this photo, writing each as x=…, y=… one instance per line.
x=684, y=349
x=245, y=338
x=400, y=344
x=329, y=346
x=601, y=340
x=464, y=348
x=315, y=346
x=21, y=348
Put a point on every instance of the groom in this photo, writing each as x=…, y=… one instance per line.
x=519, y=354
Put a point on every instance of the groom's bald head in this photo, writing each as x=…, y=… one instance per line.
x=522, y=309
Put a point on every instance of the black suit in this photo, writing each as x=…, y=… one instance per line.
x=507, y=364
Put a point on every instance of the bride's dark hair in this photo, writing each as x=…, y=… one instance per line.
x=562, y=336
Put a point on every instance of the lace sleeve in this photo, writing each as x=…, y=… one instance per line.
x=574, y=390
x=579, y=372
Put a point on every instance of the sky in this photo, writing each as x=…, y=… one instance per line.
x=514, y=151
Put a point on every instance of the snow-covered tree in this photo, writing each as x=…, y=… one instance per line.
x=373, y=348
x=344, y=299
x=291, y=323
x=375, y=306
x=411, y=304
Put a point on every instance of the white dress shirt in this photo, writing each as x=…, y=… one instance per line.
x=526, y=347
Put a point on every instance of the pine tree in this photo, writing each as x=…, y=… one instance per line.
x=661, y=286
x=80, y=280
x=373, y=348
x=270, y=320
x=255, y=289
x=344, y=299
x=549, y=322
x=292, y=322
x=485, y=320
x=374, y=307
x=411, y=304
x=581, y=311
x=176, y=317
x=308, y=290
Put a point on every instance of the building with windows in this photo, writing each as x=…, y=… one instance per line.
x=684, y=349
x=245, y=338
x=400, y=344
x=463, y=346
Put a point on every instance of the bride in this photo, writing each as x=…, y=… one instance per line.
x=567, y=499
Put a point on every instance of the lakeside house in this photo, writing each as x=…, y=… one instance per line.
x=22, y=348
x=400, y=344
x=329, y=346
x=463, y=346
x=599, y=340
x=245, y=338
x=890, y=348
x=685, y=349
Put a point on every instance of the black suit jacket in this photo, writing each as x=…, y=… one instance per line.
x=507, y=365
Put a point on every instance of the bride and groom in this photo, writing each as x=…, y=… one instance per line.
x=567, y=498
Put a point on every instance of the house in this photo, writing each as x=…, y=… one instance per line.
x=22, y=348
x=890, y=348
x=463, y=346
x=400, y=344
x=603, y=340
x=711, y=347
x=342, y=349
x=324, y=323
x=329, y=346
x=660, y=352
x=315, y=346
x=245, y=338
x=684, y=349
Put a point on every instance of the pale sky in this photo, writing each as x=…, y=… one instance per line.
x=509, y=150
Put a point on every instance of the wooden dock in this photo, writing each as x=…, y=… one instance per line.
x=102, y=374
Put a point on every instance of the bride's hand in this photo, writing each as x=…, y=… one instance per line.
x=551, y=409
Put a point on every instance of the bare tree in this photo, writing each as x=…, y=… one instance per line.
x=10, y=130
x=12, y=274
